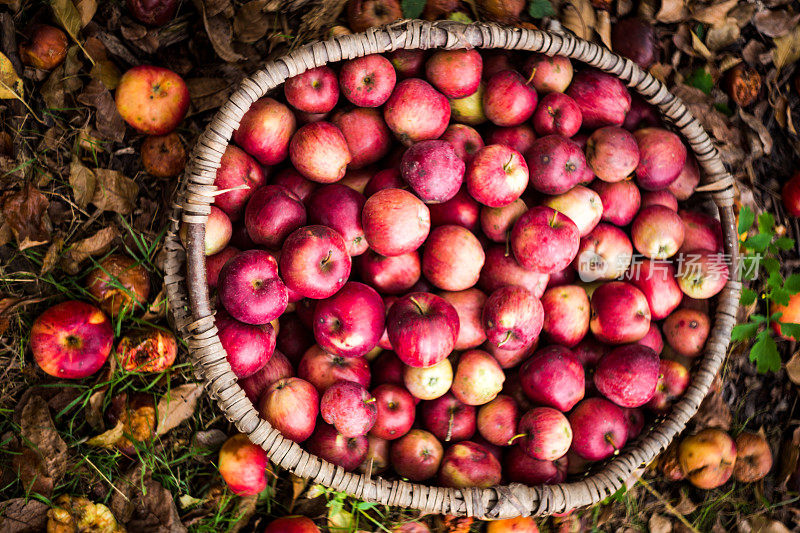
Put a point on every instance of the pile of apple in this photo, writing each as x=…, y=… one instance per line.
x=458, y=269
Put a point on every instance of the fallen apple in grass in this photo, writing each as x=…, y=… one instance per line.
x=45, y=48
x=164, y=156
x=119, y=284
x=153, y=100
x=707, y=458
x=292, y=524
x=243, y=465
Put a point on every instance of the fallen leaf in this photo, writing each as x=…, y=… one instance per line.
x=143, y=504
x=107, y=73
x=755, y=53
x=714, y=14
x=762, y=524
x=659, y=524
x=10, y=82
x=672, y=11
x=51, y=256
x=787, y=48
x=759, y=129
x=114, y=191
x=699, y=47
x=339, y=519
x=86, y=9
x=579, y=17
x=39, y=434
x=793, y=368
x=208, y=93
x=108, y=439
x=713, y=412
x=685, y=506
x=220, y=33
x=94, y=410
x=209, y=441
x=68, y=16
x=83, y=183
x=718, y=37
x=23, y=515
x=10, y=304
x=176, y=406
x=775, y=23
x=299, y=484
x=245, y=509
x=96, y=244
x=251, y=23
x=108, y=120
x=603, y=27
x=25, y=211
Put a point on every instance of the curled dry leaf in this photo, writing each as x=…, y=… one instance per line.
x=220, y=33
x=114, y=192
x=787, y=48
x=603, y=27
x=109, y=438
x=52, y=255
x=715, y=14
x=177, y=406
x=83, y=183
x=579, y=17
x=23, y=515
x=108, y=120
x=25, y=212
x=793, y=368
x=8, y=305
x=143, y=504
x=207, y=93
x=713, y=412
x=96, y=244
x=68, y=16
x=775, y=23
x=251, y=21
x=46, y=448
x=94, y=410
x=761, y=132
x=86, y=9
x=672, y=11
x=10, y=82
x=722, y=35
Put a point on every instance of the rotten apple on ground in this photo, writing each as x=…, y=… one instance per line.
x=45, y=48
x=164, y=156
x=707, y=458
x=152, y=99
x=147, y=350
x=119, y=283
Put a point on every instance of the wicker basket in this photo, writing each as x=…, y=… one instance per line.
x=193, y=314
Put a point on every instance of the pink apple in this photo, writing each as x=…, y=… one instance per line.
x=314, y=91
x=519, y=138
x=367, y=135
x=562, y=277
x=495, y=61
x=546, y=433
x=635, y=421
x=673, y=380
x=214, y=264
x=249, y=288
x=497, y=175
x=497, y=420
x=612, y=153
x=248, y=346
x=603, y=98
x=319, y=152
x=314, y=262
x=657, y=232
x=330, y=445
x=554, y=377
x=389, y=178
x=422, y=328
x=278, y=367
x=519, y=467
x=464, y=139
x=339, y=208
x=599, y=429
x=508, y=100
x=389, y=275
x=544, y=240
x=348, y=407
x=448, y=418
x=501, y=269
x=512, y=317
x=322, y=369
x=556, y=164
x=684, y=185
x=469, y=306
x=581, y=204
x=496, y=222
x=620, y=313
x=395, y=412
x=295, y=182
x=557, y=114
x=701, y=232
x=702, y=273
x=548, y=74
x=237, y=169
x=566, y=314
x=478, y=378
x=461, y=210
x=416, y=111
x=395, y=222
x=272, y=213
x=653, y=339
x=452, y=258
x=467, y=464
x=265, y=131
x=387, y=368
x=687, y=330
x=416, y=455
x=350, y=322
x=628, y=375
x=661, y=197
x=605, y=253
x=662, y=156
x=218, y=232
x=620, y=200
x=367, y=81
x=291, y=406
x=294, y=338
x=456, y=73
x=433, y=170
x=407, y=62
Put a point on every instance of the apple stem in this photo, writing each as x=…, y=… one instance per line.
x=450, y=427
x=417, y=304
x=508, y=244
x=515, y=437
x=371, y=400
x=507, y=165
x=610, y=439
x=327, y=258
x=508, y=338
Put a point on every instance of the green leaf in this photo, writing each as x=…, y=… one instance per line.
x=744, y=331
x=776, y=316
x=765, y=353
x=540, y=9
x=790, y=329
x=766, y=223
x=460, y=16
x=792, y=283
x=784, y=243
x=758, y=242
x=748, y=297
x=758, y=318
x=780, y=296
x=746, y=219
x=771, y=265
x=775, y=280
x=701, y=79
x=412, y=9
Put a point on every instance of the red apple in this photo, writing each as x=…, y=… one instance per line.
x=469, y=306
x=512, y=317
x=628, y=375
x=673, y=379
x=612, y=153
x=701, y=232
x=422, y=328
x=497, y=175
x=249, y=288
x=456, y=73
x=367, y=81
x=292, y=524
x=461, y=210
x=409, y=63
x=635, y=421
x=295, y=182
x=448, y=418
x=661, y=197
x=548, y=74
x=641, y=115
x=416, y=111
x=636, y=39
x=520, y=138
x=348, y=407
x=467, y=464
x=430, y=382
x=544, y=240
x=495, y=60
x=265, y=131
x=339, y=208
x=605, y=253
x=389, y=178
x=71, y=340
x=562, y=277
x=620, y=200
x=152, y=99
x=395, y=412
x=319, y=152
x=278, y=367
x=291, y=406
x=519, y=467
x=237, y=169
x=322, y=369
x=45, y=48
x=464, y=139
x=790, y=313
x=662, y=156
x=452, y=258
x=314, y=91
x=686, y=331
x=330, y=445
x=243, y=465
x=433, y=170
x=496, y=222
x=350, y=322
x=497, y=420
x=387, y=368
x=508, y=100
x=218, y=232
x=395, y=222
x=501, y=269
x=566, y=314
x=272, y=213
x=556, y=164
x=653, y=339
x=120, y=284
x=153, y=12
x=603, y=98
x=367, y=135
x=377, y=458
x=315, y=262
x=545, y=433
x=620, y=313
x=248, y=346
x=389, y=275
x=599, y=429
x=416, y=455
x=557, y=114
x=702, y=273
x=478, y=378
x=554, y=377
x=365, y=14
x=581, y=204
x=657, y=232
x=790, y=194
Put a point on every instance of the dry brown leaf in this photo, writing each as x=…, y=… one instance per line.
x=245, y=509
x=787, y=48
x=68, y=15
x=762, y=524
x=714, y=14
x=8, y=305
x=83, y=183
x=713, y=413
x=94, y=410
x=208, y=93
x=579, y=17
x=215, y=7
x=177, y=405
x=759, y=129
x=23, y=515
x=107, y=73
x=25, y=212
x=793, y=368
x=108, y=120
x=672, y=11
x=299, y=484
x=46, y=447
x=114, y=192
x=220, y=33
x=52, y=255
x=755, y=53
x=718, y=37
x=603, y=28
x=86, y=9
x=699, y=47
x=775, y=23
x=10, y=82
x=96, y=244
x=685, y=505
x=108, y=439
x=251, y=21
x=143, y=504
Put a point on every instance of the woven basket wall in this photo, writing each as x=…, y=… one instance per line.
x=192, y=312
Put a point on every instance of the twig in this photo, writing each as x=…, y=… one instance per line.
x=668, y=505
x=107, y=480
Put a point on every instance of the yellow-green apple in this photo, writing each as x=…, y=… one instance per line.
x=367, y=81
x=278, y=367
x=464, y=139
x=339, y=207
x=520, y=138
x=701, y=232
x=368, y=137
x=147, y=350
x=71, y=340
x=433, y=170
x=164, y=156
x=508, y=100
x=45, y=48
x=656, y=279
x=322, y=369
x=497, y=175
x=319, y=152
x=686, y=331
x=501, y=269
x=407, y=62
x=152, y=99
x=249, y=288
x=272, y=213
x=553, y=377
x=581, y=204
x=603, y=98
x=349, y=323
x=620, y=313
x=673, y=378
x=790, y=195
x=556, y=164
x=544, y=433
x=604, y=253
x=330, y=445
x=416, y=455
x=349, y=407
x=422, y=328
x=430, y=382
x=292, y=524
x=708, y=458
x=461, y=210
x=416, y=111
x=448, y=418
x=469, y=109
x=395, y=412
x=657, y=232
x=469, y=306
x=315, y=262
x=660, y=197
x=478, y=378
x=687, y=181
x=702, y=274
x=544, y=240
x=248, y=346
x=557, y=114
x=395, y=222
x=291, y=406
x=452, y=258
x=512, y=317
x=218, y=231
x=599, y=429
x=389, y=275
x=295, y=182
x=661, y=158
x=790, y=314
x=243, y=465
x=237, y=169
x=548, y=74
x=377, y=458
x=566, y=314
x=314, y=91
x=628, y=375
x=612, y=153
x=497, y=420
x=119, y=283
x=265, y=131
x=753, y=457
x=456, y=73
x=621, y=200
x=467, y=464
x=519, y=467
x=653, y=339
x=496, y=222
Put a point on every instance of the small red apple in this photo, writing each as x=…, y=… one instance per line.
x=153, y=100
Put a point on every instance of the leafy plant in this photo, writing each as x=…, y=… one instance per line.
x=760, y=251
x=540, y=9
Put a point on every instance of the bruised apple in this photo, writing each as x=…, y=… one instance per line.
x=152, y=99
x=119, y=283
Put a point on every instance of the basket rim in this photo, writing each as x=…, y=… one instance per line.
x=193, y=318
